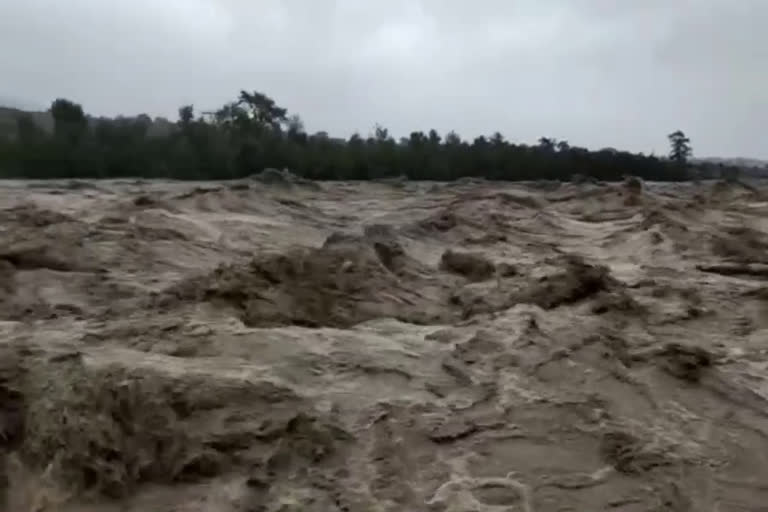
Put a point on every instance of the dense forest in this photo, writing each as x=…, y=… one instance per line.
x=252, y=133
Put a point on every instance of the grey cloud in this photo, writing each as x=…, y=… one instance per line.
x=595, y=72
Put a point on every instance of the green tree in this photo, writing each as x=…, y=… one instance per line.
x=69, y=122
x=381, y=134
x=295, y=127
x=252, y=132
x=263, y=109
x=27, y=131
x=547, y=144
x=434, y=137
x=186, y=116
x=452, y=139
x=680, y=147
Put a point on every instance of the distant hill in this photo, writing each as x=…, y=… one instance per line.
x=8, y=115
x=751, y=167
x=740, y=162
x=18, y=103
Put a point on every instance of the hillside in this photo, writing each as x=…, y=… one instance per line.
x=8, y=115
x=741, y=162
x=750, y=167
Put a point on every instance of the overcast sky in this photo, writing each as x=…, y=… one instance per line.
x=597, y=73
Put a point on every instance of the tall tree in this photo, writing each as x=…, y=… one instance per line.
x=452, y=139
x=186, y=115
x=295, y=125
x=547, y=144
x=381, y=134
x=69, y=122
x=263, y=109
x=680, y=147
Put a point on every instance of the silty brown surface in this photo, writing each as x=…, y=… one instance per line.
x=370, y=347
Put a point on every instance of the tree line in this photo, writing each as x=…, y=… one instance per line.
x=252, y=133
